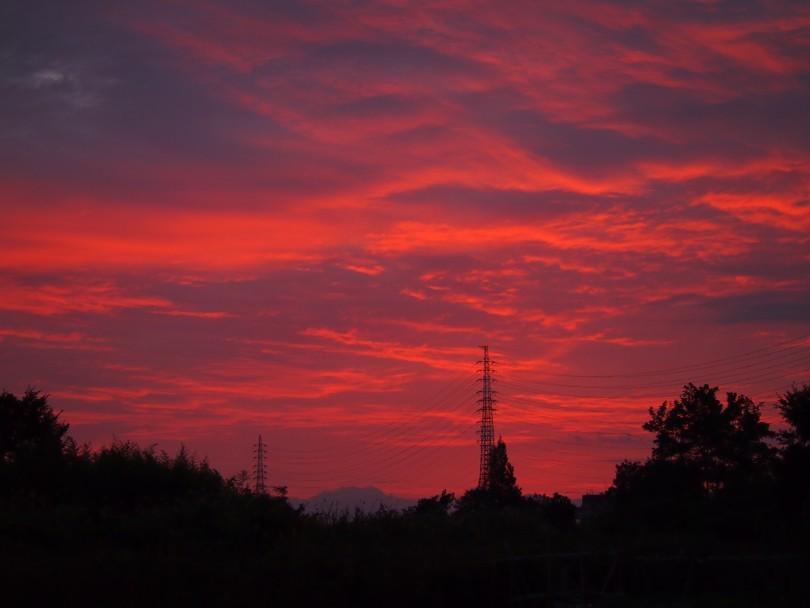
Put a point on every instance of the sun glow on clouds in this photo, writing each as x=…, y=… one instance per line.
x=301, y=219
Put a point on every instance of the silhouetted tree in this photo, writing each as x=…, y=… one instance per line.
x=658, y=492
x=720, y=442
x=125, y=473
x=794, y=407
x=502, y=490
x=502, y=481
x=710, y=473
x=29, y=429
x=793, y=467
x=240, y=482
x=438, y=505
x=556, y=510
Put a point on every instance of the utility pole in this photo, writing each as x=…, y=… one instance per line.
x=487, y=432
x=259, y=467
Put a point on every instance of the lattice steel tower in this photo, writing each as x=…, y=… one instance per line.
x=487, y=431
x=259, y=467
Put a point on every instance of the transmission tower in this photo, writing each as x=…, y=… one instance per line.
x=259, y=467
x=487, y=432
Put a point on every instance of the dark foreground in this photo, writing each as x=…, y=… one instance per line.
x=241, y=550
x=718, y=516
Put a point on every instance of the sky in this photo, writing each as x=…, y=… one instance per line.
x=302, y=220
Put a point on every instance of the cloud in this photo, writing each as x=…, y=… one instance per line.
x=67, y=297
x=304, y=217
x=789, y=306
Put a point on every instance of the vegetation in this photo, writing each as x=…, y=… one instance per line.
x=717, y=515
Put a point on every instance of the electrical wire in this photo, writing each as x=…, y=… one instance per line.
x=409, y=446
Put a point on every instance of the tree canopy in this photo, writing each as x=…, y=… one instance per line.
x=794, y=407
x=502, y=480
x=716, y=440
x=29, y=428
x=502, y=489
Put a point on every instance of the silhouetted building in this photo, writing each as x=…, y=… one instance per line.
x=594, y=504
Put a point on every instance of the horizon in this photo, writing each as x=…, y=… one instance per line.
x=641, y=453
x=301, y=219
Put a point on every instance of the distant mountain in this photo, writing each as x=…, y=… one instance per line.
x=368, y=500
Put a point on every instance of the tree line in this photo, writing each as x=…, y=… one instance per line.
x=719, y=483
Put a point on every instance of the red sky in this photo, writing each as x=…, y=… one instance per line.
x=301, y=219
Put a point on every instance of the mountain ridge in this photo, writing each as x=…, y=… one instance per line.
x=348, y=499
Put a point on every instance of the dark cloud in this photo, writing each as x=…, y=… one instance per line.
x=374, y=106
x=639, y=38
x=596, y=152
x=739, y=128
x=765, y=307
x=755, y=309
x=88, y=101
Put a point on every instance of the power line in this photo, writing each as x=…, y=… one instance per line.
x=410, y=446
x=701, y=366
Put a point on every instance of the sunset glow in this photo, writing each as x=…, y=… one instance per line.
x=301, y=219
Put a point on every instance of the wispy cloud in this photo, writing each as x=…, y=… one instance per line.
x=302, y=218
